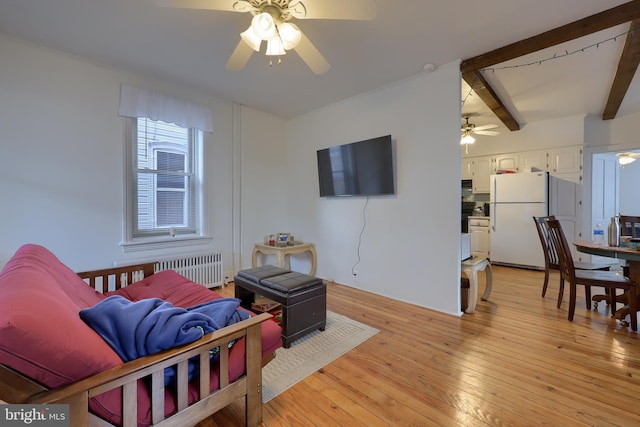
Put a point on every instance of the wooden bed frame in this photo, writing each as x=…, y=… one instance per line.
x=15, y=388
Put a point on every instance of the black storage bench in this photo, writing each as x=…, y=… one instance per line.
x=303, y=298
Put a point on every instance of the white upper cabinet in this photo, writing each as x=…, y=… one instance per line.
x=467, y=169
x=565, y=160
x=506, y=162
x=482, y=170
x=532, y=160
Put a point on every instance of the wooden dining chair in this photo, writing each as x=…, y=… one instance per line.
x=551, y=261
x=606, y=279
x=629, y=226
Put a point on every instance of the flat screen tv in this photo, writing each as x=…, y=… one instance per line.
x=363, y=168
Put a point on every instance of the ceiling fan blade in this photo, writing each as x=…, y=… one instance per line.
x=311, y=56
x=486, y=132
x=485, y=127
x=364, y=10
x=239, y=57
x=227, y=5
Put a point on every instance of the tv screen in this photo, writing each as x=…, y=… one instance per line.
x=363, y=168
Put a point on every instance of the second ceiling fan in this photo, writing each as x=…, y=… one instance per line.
x=468, y=129
x=271, y=23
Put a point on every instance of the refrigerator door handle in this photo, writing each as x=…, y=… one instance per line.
x=493, y=217
x=493, y=208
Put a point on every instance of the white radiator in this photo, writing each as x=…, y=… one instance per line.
x=205, y=269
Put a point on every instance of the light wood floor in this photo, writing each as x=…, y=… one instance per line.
x=517, y=361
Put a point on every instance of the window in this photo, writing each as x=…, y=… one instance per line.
x=165, y=183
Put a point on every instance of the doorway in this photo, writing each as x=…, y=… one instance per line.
x=614, y=188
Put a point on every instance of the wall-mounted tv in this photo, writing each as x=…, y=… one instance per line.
x=364, y=168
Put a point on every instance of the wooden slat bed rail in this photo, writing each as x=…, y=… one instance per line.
x=119, y=277
x=125, y=376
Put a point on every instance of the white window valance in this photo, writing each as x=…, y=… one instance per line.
x=135, y=102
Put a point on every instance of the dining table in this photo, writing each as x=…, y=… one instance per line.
x=631, y=254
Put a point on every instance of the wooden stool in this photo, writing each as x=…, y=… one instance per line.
x=470, y=268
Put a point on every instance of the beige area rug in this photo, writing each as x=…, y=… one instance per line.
x=311, y=352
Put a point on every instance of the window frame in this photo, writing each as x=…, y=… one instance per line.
x=164, y=237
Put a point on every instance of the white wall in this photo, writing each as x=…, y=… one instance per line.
x=62, y=157
x=409, y=248
x=61, y=174
x=263, y=178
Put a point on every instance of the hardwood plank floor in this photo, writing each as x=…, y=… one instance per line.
x=516, y=361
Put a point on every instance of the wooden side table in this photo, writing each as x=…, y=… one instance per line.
x=470, y=268
x=281, y=253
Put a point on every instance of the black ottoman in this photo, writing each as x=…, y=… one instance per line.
x=303, y=298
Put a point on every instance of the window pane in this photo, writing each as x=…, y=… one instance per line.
x=170, y=209
x=170, y=161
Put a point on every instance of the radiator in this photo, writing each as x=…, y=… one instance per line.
x=205, y=269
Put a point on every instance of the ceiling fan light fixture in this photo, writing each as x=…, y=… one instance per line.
x=625, y=158
x=252, y=39
x=264, y=26
x=290, y=35
x=467, y=139
x=275, y=47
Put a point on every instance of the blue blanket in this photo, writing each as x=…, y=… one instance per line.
x=136, y=329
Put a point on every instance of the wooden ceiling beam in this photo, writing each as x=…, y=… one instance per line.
x=626, y=70
x=600, y=21
x=481, y=87
x=471, y=67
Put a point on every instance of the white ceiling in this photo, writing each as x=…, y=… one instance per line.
x=191, y=47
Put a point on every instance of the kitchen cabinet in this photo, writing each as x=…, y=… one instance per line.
x=533, y=160
x=565, y=160
x=479, y=236
x=505, y=162
x=482, y=170
x=556, y=161
x=483, y=167
x=467, y=169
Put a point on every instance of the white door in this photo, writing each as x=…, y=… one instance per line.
x=564, y=203
x=605, y=176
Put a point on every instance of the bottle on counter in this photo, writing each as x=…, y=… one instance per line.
x=614, y=231
x=598, y=235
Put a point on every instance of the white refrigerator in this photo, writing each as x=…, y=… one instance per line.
x=515, y=199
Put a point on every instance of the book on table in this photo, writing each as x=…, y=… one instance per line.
x=262, y=304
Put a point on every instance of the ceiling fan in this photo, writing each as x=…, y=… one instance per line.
x=626, y=158
x=468, y=129
x=270, y=23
